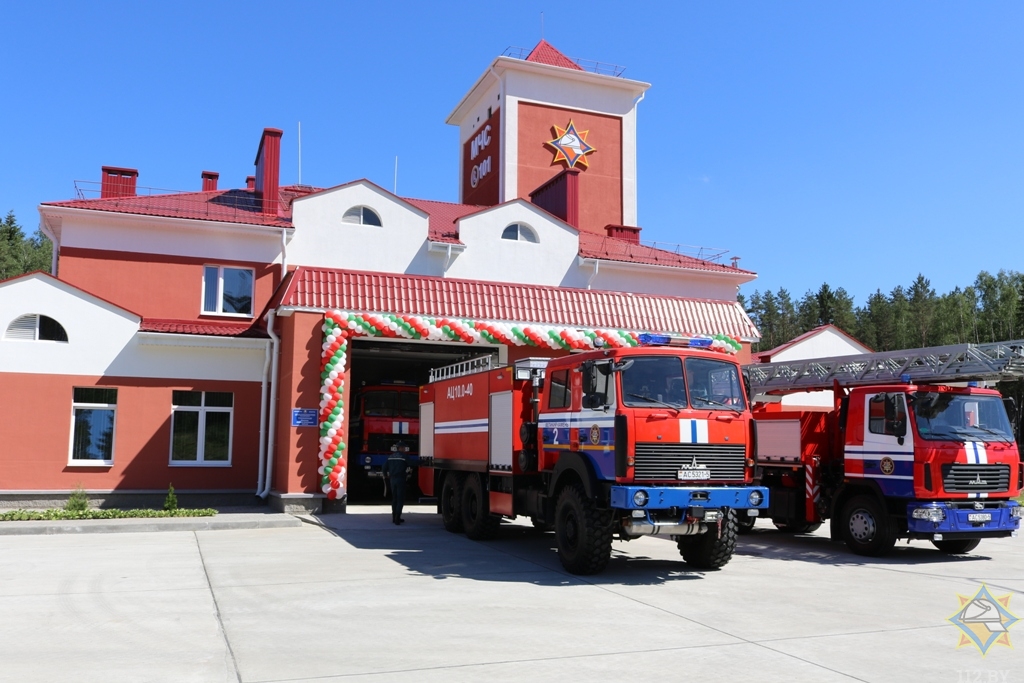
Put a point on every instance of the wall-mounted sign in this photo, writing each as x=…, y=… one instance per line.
x=305, y=417
x=481, y=155
x=570, y=146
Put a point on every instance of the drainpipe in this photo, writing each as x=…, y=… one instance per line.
x=263, y=418
x=43, y=228
x=597, y=267
x=284, y=255
x=269, y=471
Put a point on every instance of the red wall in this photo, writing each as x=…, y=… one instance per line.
x=156, y=286
x=35, y=436
x=600, y=181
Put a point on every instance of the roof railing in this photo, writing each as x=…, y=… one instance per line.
x=602, y=68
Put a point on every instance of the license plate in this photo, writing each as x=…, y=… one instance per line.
x=979, y=517
x=697, y=473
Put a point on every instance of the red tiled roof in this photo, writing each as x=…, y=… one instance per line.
x=231, y=206
x=766, y=356
x=213, y=328
x=546, y=53
x=443, y=216
x=322, y=289
x=615, y=249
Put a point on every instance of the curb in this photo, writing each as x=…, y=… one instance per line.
x=118, y=526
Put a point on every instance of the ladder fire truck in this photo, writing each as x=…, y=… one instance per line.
x=913, y=447
x=625, y=441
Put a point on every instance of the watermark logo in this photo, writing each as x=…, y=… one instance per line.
x=984, y=620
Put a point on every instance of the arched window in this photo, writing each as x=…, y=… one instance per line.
x=520, y=232
x=34, y=327
x=362, y=215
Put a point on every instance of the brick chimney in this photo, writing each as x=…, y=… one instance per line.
x=250, y=182
x=118, y=182
x=627, y=233
x=268, y=170
x=210, y=180
x=561, y=196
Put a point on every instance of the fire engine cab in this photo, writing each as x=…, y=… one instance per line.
x=387, y=417
x=610, y=443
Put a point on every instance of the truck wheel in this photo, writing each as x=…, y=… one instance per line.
x=710, y=550
x=957, y=547
x=745, y=524
x=451, y=502
x=797, y=528
x=477, y=519
x=866, y=527
x=583, y=532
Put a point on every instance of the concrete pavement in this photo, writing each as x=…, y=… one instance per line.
x=358, y=599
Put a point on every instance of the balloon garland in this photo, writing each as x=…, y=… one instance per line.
x=341, y=326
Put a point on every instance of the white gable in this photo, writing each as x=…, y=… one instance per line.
x=826, y=343
x=323, y=240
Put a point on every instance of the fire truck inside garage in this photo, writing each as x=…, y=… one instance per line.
x=384, y=371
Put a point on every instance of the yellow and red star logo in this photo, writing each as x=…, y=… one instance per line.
x=984, y=620
x=570, y=146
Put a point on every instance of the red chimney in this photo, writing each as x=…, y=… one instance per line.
x=250, y=182
x=268, y=170
x=561, y=196
x=210, y=180
x=118, y=182
x=627, y=233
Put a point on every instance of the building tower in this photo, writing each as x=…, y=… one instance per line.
x=529, y=118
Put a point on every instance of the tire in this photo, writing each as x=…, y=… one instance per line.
x=866, y=527
x=451, y=502
x=745, y=524
x=477, y=519
x=958, y=547
x=798, y=528
x=583, y=533
x=712, y=549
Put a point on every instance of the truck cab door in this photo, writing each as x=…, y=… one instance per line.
x=593, y=425
x=887, y=456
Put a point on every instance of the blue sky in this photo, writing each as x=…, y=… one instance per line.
x=853, y=143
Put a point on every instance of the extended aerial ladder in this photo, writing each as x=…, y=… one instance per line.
x=998, y=361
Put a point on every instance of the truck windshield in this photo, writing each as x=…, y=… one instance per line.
x=391, y=404
x=652, y=381
x=714, y=383
x=960, y=417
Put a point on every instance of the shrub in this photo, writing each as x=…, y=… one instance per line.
x=171, y=501
x=78, y=501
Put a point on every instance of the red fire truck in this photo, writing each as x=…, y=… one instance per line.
x=387, y=415
x=618, y=442
x=902, y=454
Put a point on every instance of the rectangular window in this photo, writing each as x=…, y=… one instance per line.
x=228, y=291
x=94, y=410
x=559, y=394
x=201, y=427
x=887, y=414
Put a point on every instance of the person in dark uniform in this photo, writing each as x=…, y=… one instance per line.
x=394, y=470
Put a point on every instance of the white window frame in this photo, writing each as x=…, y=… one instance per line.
x=203, y=409
x=75, y=406
x=35, y=333
x=220, y=292
x=521, y=228
x=362, y=216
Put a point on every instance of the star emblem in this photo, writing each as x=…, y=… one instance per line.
x=570, y=146
x=984, y=620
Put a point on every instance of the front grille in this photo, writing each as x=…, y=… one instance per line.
x=662, y=461
x=382, y=443
x=975, y=478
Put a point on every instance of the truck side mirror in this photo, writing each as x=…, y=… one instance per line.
x=895, y=419
x=1011, y=412
x=589, y=382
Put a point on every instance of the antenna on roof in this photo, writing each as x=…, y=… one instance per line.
x=396, y=175
x=542, y=26
x=300, y=153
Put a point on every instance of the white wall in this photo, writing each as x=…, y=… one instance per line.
x=488, y=257
x=322, y=239
x=104, y=340
x=825, y=344
x=622, y=277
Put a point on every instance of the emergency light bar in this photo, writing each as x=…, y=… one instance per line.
x=649, y=339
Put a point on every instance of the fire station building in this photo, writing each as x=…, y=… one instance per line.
x=181, y=338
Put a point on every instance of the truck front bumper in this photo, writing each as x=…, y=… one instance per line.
x=712, y=497
x=955, y=521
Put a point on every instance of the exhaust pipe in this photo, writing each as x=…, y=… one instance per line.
x=641, y=527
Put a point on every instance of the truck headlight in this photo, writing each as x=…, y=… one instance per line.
x=935, y=515
x=640, y=498
x=755, y=498
x=1017, y=511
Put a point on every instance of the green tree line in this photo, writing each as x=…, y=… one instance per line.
x=990, y=309
x=19, y=253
